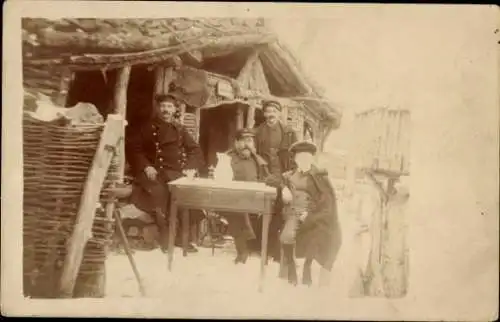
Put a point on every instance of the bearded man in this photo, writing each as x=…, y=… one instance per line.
x=159, y=151
x=247, y=165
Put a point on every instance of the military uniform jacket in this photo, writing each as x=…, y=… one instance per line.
x=288, y=137
x=252, y=169
x=169, y=148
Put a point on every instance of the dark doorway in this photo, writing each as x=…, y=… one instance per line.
x=217, y=129
x=140, y=94
x=95, y=87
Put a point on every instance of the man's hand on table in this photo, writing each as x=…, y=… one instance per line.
x=150, y=172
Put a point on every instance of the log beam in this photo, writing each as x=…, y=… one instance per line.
x=111, y=136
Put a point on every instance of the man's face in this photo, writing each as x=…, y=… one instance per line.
x=244, y=145
x=304, y=160
x=271, y=114
x=166, y=110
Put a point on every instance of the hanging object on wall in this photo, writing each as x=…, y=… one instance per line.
x=191, y=86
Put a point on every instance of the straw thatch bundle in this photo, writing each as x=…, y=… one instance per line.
x=56, y=162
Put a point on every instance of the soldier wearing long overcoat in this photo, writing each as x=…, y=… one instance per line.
x=159, y=151
x=311, y=218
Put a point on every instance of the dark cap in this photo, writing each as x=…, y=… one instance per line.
x=165, y=97
x=273, y=103
x=243, y=133
x=303, y=146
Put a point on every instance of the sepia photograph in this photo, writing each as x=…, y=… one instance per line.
x=251, y=160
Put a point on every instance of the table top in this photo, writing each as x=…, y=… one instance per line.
x=230, y=185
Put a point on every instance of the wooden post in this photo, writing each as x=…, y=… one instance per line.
x=239, y=117
x=251, y=117
x=61, y=97
x=111, y=136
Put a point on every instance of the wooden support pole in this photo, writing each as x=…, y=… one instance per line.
x=111, y=136
x=239, y=117
x=120, y=108
x=251, y=117
x=65, y=83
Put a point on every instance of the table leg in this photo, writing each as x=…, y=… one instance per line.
x=266, y=220
x=185, y=231
x=172, y=230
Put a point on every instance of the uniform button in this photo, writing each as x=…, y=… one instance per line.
x=161, y=159
x=154, y=133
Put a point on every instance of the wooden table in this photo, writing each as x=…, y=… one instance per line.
x=235, y=197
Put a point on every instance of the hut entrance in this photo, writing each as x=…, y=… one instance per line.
x=95, y=87
x=218, y=127
x=98, y=88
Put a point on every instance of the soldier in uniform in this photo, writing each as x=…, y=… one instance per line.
x=155, y=152
x=310, y=212
x=247, y=165
x=273, y=140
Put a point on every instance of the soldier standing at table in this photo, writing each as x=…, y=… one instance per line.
x=155, y=152
x=247, y=165
x=273, y=139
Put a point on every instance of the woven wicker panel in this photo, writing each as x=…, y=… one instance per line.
x=56, y=163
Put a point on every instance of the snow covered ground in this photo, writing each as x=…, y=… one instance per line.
x=202, y=284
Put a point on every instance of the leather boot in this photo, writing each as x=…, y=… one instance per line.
x=163, y=229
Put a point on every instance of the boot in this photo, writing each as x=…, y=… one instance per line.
x=290, y=264
x=163, y=229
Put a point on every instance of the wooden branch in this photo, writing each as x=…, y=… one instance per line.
x=111, y=136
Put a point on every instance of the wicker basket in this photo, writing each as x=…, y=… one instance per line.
x=56, y=163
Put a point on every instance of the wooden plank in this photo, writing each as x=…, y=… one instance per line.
x=111, y=136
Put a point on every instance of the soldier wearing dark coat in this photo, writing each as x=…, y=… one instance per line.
x=159, y=151
x=310, y=212
x=247, y=165
x=272, y=141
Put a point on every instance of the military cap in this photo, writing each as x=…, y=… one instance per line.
x=246, y=132
x=165, y=97
x=303, y=146
x=273, y=103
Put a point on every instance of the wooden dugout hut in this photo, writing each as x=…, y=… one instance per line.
x=222, y=68
x=227, y=67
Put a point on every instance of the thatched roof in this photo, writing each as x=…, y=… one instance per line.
x=220, y=45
